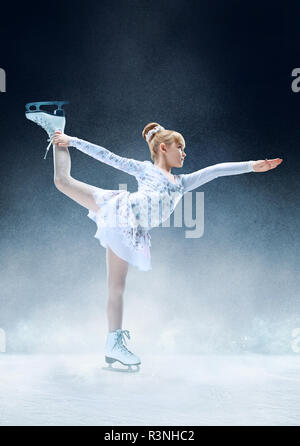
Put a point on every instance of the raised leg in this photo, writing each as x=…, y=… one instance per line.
x=78, y=191
x=117, y=269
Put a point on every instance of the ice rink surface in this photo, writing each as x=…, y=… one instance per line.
x=170, y=390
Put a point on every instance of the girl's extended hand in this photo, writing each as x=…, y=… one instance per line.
x=264, y=165
x=60, y=139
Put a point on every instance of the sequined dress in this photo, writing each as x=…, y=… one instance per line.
x=125, y=218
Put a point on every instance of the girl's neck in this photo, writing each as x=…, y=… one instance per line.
x=162, y=165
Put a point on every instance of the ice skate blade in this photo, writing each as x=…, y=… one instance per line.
x=109, y=368
x=129, y=369
x=34, y=107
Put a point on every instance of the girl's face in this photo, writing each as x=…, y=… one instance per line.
x=175, y=154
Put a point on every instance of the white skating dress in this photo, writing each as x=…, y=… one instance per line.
x=125, y=218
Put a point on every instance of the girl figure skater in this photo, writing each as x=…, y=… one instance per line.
x=124, y=219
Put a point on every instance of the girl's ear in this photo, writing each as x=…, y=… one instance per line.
x=162, y=146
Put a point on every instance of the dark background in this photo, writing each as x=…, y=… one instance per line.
x=220, y=73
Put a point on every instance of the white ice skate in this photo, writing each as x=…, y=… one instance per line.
x=116, y=351
x=51, y=122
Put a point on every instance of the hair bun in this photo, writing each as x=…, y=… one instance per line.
x=147, y=129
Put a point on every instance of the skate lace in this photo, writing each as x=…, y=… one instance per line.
x=44, y=124
x=120, y=339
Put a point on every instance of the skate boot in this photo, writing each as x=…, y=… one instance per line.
x=51, y=122
x=116, y=351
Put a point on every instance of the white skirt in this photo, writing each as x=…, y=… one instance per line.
x=127, y=242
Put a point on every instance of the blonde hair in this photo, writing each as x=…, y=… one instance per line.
x=163, y=136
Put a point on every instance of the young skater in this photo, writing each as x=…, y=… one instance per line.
x=123, y=218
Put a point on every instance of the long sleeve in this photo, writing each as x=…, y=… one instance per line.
x=199, y=177
x=129, y=165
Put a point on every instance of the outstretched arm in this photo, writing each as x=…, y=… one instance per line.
x=193, y=180
x=129, y=165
